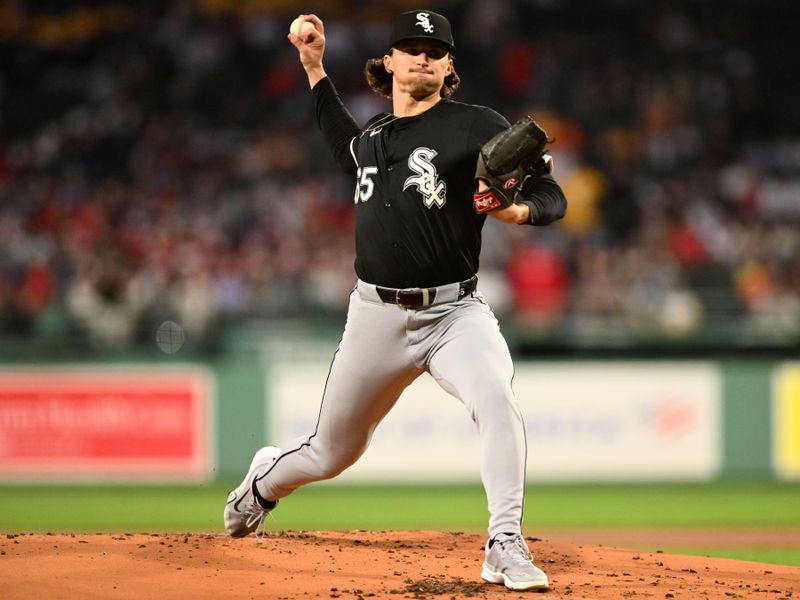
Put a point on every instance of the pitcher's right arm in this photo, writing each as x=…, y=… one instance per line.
x=338, y=126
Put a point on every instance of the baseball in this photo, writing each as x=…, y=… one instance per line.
x=300, y=27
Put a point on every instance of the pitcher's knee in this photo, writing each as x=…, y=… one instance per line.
x=330, y=464
x=496, y=406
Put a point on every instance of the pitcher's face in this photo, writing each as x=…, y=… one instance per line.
x=419, y=67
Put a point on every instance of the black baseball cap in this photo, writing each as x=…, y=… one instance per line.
x=422, y=24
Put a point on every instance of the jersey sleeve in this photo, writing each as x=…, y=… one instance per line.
x=337, y=125
x=545, y=198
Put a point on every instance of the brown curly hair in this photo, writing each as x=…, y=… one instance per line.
x=380, y=80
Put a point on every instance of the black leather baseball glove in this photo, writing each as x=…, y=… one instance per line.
x=507, y=160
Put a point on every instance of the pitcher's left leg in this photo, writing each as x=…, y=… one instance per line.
x=472, y=362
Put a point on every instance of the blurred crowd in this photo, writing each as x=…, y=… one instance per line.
x=160, y=160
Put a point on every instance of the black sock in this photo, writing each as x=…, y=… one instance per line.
x=263, y=502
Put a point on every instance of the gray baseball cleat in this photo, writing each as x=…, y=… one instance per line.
x=244, y=511
x=508, y=561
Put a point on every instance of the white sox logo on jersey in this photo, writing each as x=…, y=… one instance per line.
x=433, y=190
x=424, y=22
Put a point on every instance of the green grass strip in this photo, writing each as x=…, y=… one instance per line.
x=775, y=556
x=199, y=508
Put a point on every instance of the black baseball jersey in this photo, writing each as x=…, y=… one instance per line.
x=415, y=222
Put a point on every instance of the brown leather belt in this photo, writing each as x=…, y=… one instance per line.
x=421, y=297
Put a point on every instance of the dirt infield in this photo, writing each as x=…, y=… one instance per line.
x=357, y=565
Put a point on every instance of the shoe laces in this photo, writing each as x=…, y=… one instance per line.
x=516, y=549
x=256, y=515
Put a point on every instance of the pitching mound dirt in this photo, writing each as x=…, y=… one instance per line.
x=356, y=564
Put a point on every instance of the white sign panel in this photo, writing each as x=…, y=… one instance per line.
x=622, y=420
x=584, y=421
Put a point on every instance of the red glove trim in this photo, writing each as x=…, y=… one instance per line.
x=485, y=201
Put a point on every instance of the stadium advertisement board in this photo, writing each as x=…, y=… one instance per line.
x=584, y=421
x=105, y=423
x=786, y=421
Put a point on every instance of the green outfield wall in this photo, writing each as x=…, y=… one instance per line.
x=747, y=417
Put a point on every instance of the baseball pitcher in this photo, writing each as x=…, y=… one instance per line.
x=426, y=176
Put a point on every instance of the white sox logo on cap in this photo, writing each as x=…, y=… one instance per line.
x=423, y=20
x=421, y=24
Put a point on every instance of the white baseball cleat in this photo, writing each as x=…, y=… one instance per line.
x=508, y=561
x=244, y=512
